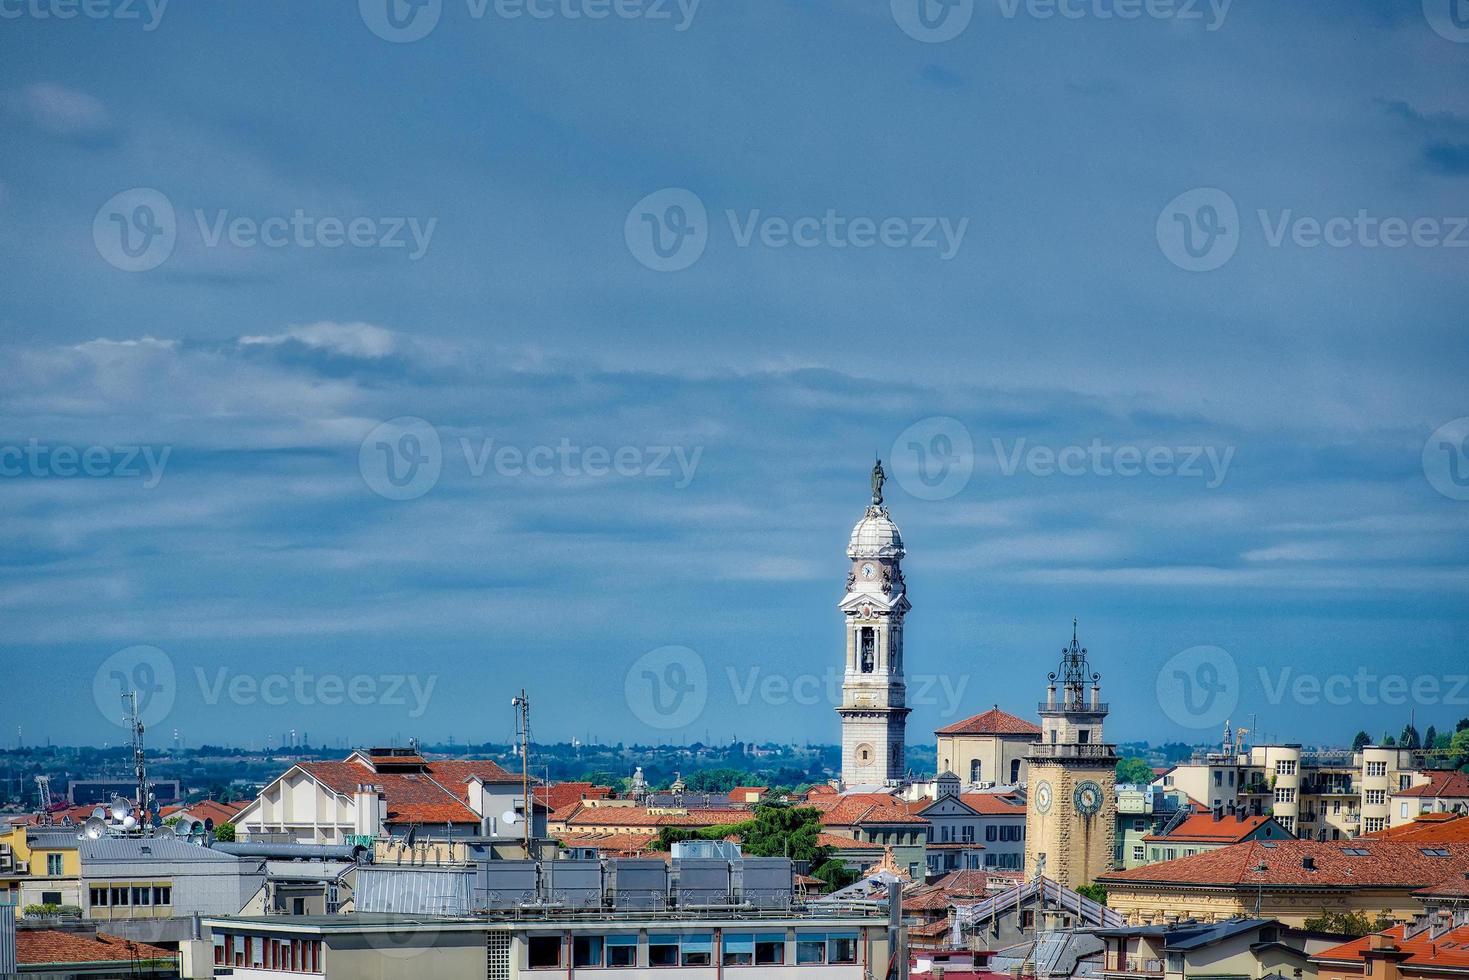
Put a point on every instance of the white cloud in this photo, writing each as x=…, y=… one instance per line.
x=58, y=111
x=361, y=340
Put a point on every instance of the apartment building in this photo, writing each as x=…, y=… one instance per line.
x=1314, y=795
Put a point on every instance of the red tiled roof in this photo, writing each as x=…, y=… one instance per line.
x=207, y=809
x=1386, y=864
x=629, y=816
x=992, y=722
x=1202, y=828
x=37, y=946
x=869, y=808
x=993, y=804
x=1447, y=949
x=439, y=794
x=1452, y=785
x=1431, y=828
x=559, y=795
x=1455, y=887
x=839, y=843
x=616, y=845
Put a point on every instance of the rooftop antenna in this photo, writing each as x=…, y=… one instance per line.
x=521, y=704
x=140, y=762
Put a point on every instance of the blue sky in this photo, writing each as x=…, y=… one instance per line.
x=707, y=431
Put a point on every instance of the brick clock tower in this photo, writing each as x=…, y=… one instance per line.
x=874, y=708
x=1071, y=813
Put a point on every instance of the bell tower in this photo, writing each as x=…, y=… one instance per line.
x=874, y=712
x=1071, y=812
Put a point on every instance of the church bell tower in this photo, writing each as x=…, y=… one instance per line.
x=874, y=711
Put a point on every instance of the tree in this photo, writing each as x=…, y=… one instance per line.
x=1459, y=747
x=1430, y=737
x=1352, y=924
x=1096, y=893
x=1410, y=738
x=224, y=832
x=1462, y=725
x=1362, y=740
x=1134, y=770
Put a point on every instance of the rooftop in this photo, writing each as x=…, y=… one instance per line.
x=992, y=722
x=1358, y=863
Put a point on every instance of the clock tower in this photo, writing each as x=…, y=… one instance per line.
x=1071, y=812
x=874, y=708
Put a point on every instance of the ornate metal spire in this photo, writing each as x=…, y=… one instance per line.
x=1074, y=671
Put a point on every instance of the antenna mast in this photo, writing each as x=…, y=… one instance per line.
x=140, y=763
x=522, y=733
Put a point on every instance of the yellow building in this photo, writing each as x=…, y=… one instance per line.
x=40, y=866
x=1291, y=880
x=988, y=749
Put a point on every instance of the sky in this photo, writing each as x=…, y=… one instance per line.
x=366, y=363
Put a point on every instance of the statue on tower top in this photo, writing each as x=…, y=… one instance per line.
x=878, y=479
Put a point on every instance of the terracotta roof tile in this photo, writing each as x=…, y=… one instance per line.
x=1202, y=828
x=1441, y=785
x=992, y=722
x=994, y=804
x=1384, y=864
x=1444, y=950
x=36, y=946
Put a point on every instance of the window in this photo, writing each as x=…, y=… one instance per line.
x=1231, y=777
x=1014, y=772
x=586, y=951
x=99, y=897
x=1375, y=823
x=162, y=894
x=810, y=948
x=770, y=949
x=1027, y=919
x=698, y=950
x=1175, y=962
x=739, y=949
x=543, y=952
x=1402, y=809
x=1139, y=824
x=1218, y=777
x=51, y=898
x=663, y=950
x=119, y=896
x=991, y=833
x=841, y=947
x=142, y=895
x=1285, y=795
x=1285, y=767
x=622, y=951
x=1137, y=852
x=974, y=769
x=53, y=865
x=1376, y=797
x=1083, y=735
x=969, y=833
x=1377, y=768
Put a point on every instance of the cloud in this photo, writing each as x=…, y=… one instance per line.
x=1446, y=150
x=359, y=340
x=60, y=113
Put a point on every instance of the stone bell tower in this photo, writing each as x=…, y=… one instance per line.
x=874, y=711
x=1071, y=812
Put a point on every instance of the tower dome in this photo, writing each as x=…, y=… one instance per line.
x=875, y=536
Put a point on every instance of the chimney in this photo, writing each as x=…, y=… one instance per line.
x=369, y=806
x=1218, y=813
x=1309, y=863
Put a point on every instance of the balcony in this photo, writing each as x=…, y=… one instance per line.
x=1085, y=707
x=1041, y=750
x=1134, y=965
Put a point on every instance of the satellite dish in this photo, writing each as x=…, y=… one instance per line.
x=412, y=835
x=99, y=812
x=208, y=824
x=95, y=828
x=129, y=822
x=510, y=817
x=120, y=808
x=184, y=828
x=164, y=833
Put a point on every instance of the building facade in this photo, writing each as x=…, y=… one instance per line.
x=988, y=749
x=874, y=708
